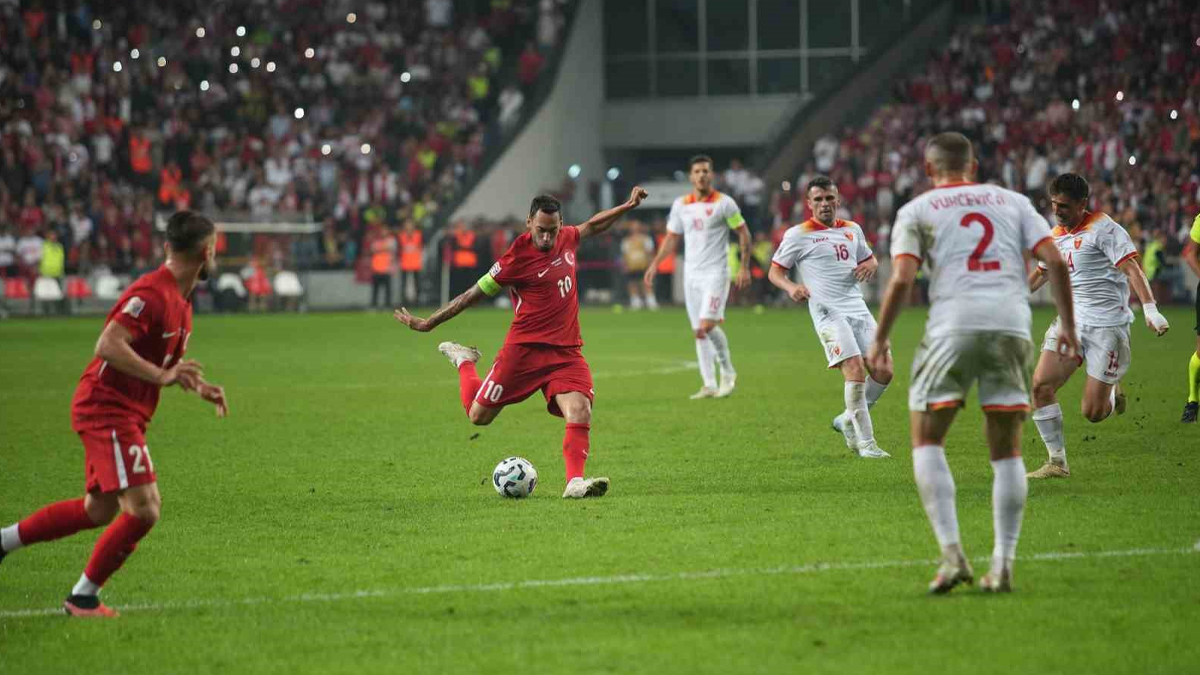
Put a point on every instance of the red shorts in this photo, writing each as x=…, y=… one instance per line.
x=520, y=370
x=116, y=457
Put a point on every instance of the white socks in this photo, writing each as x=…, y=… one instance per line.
x=1008, y=506
x=856, y=411
x=85, y=586
x=936, y=486
x=874, y=391
x=721, y=344
x=1049, y=421
x=706, y=355
x=10, y=539
x=1112, y=401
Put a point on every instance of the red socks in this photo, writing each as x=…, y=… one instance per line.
x=468, y=384
x=54, y=521
x=114, y=546
x=575, y=448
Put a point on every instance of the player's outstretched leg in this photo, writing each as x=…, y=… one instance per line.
x=936, y=487
x=728, y=374
x=463, y=358
x=1192, y=407
x=139, y=512
x=53, y=521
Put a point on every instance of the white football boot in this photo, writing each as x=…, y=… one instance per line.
x=458, y=354
x=727, y=385
x=705, y=392
x=579, y=487
x=997, y=580
x=953, y=571
x=872, y=451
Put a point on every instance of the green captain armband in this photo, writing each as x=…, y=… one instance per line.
x=488, y=285
x=735, y=221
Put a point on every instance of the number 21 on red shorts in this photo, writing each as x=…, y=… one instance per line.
x=116, y=458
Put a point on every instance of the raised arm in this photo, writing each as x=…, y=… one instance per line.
x=604, y=220
x=452, y=309
x=1141, y=286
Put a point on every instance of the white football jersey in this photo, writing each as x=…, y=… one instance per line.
x=827, y=257
x=1093, y=251
x=705, y=225
x=974, y=238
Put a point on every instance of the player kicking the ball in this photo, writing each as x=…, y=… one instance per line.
x=139, y=352
x=541, y=350
x=1100, y=257
x=833, y=256
x=975, y=239
x=704, y=218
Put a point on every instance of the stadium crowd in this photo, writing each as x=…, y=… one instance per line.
x=1130, y=120
x=358, y=116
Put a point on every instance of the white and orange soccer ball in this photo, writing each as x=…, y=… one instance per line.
x=514, y=477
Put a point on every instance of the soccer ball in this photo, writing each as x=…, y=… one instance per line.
x=514, y=477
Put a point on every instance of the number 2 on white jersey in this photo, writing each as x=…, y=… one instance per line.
x=975, y=263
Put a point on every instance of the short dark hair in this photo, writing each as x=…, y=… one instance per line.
x=186, y=230
x=696, y=159
x=952, y=151
x=1069, y=185
x=545, y=204
x=823, y=182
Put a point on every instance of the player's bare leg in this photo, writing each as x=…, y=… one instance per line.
x=1051, y=374
x=58, y=520
x=1009, y=490
x=1099, y=400
x=577, y=411
x=140, y=508
x=878, y=380
x=935, y=484
x=706, y=356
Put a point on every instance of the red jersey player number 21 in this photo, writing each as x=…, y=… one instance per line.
x=139, y=352
x=542, y=348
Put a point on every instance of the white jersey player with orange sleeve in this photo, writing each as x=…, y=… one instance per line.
x=704, y=219
x=1094, y=250
x=826, y=258
x=974, y=237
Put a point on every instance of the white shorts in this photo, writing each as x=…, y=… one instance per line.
x=1105, y=350
x=944, y=369
x=844, y=337
x=705, y=298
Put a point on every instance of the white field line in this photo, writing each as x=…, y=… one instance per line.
x=810, y=568
x=673, y=367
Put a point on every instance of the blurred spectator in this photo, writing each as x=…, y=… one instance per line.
x=29, y=252
x=464, y=257
x=412, y=250
x=664, y=280
x=8, y=251
x=382, y=249
x=637, y=250
x=529, y=67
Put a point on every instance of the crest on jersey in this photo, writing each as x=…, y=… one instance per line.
x=495, y=269
x=570, y=258
x=850, y=236
x=133, y=307
x=1078, y=242
x=708, y=212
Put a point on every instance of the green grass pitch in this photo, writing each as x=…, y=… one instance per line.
x=342, y=521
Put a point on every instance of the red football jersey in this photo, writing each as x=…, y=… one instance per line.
x=542, y=287
x=160, y=319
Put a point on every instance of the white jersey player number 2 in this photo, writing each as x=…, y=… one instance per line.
x=976, y=263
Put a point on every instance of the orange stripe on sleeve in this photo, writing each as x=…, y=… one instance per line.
x=908, y=255
x=1128, y=257
x=1042, y=241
